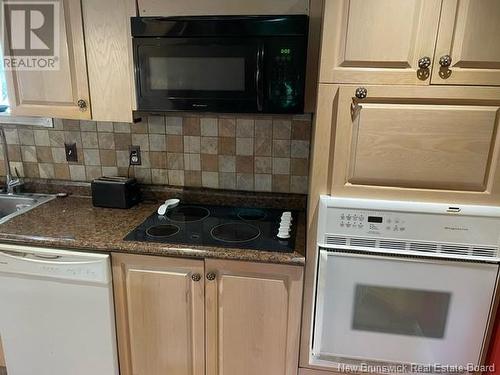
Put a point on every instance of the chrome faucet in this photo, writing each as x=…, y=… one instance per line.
x=10, y=182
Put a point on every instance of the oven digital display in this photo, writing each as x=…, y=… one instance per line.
x=374, y=219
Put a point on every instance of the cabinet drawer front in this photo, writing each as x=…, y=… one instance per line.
x=378, y=41
x=423, y=146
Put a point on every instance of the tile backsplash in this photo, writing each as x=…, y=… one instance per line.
x=242, y=152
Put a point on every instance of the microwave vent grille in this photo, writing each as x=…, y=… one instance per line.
x=414, y=246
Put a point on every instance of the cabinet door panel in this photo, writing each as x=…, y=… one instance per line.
x=447, y=147
x=428, y=143
x=55, y=93
x=160, y=315
x=469, y=32
x=378, y=41
x=253, y=318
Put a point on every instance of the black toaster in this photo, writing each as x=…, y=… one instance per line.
x=115, y=192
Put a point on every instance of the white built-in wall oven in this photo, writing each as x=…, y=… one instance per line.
x=403, y=282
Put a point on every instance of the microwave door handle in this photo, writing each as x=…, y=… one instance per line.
x=258, y=78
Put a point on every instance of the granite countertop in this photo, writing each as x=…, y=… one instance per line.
x=73, y=223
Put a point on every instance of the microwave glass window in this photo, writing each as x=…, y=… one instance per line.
x=197, y=73
x=400, y=311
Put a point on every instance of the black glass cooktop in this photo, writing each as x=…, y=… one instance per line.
x=189, y=224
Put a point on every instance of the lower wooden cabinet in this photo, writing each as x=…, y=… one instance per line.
x=160, y=315
x=214, y=317
x=430, y=143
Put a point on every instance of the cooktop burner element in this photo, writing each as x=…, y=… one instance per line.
x=251, y=214
x=217, y=226
x=235, y=232
x=162, y=230
x=187, y=214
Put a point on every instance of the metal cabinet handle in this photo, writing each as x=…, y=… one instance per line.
x=211, y=276
x=361, y=93
x=424, y=62
x=82, y=104
x=196, y=277
x=445, y=61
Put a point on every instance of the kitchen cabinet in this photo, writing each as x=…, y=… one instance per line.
x=378, y=41
x=186, y=316
x=432, y=143
x=160, y=319
x=221, y=7
x=95, y=79
x=253, y=318
x=418, y=42
x=60, y=93
x=469, y=33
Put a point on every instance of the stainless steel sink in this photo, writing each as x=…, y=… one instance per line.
x=16, y=204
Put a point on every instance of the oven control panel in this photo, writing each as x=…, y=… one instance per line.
x=366, y=221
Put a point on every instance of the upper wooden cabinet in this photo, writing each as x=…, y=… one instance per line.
x=430, y=143
x=378, y=41
x=55, y=93
x=383, y=42
x=160, y=315
x=469, y=32
x=253, y=318
x=221, y=7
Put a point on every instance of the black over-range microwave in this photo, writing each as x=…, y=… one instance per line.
x=220, y=63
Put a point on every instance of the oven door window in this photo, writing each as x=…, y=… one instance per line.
x=210, y=69
x=400, y=311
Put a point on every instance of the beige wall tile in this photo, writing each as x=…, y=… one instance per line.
x=282, y=129
x=14, y=152
x=209, y=145
x=58, y=155
x=31, y=170
x=28, y=153
x=159, y=176
x=110, y=171
x=281, y=166
x=73, y=137
x=141, y=140
x=209, y=127
x=122, y=158
x=192, y=162
x=244, y=146
x=244, y=181
x=174, y=125
x=227, y=146
x=192, y=144
x=77, y=172
x=263, y=164
x=192, y=178
x=244, y=128
x=227, y=180
x=227, y=127
x=104, y=126
x=61, y=171
x=263, y=182
x=176, y=177
x=41, y=137
x=157, y=125
x=71, y=125
x=300, y=149
x=26, y=137
x=56, y=138
x=106, y=141
x=281, y=148
x=210, y=179
x=108, y=158
x=175, y=143
x=91, y=157
x=139, y=127
x=89, y=140
x=12, y=136
x=123, y=141
x=298, y=184
x=88, y=126
x=143, y=175
x=263, y=128
x=158, y=160
x=191, y=126
x=157, y=142
x=263, y=146
x=46, y=170
x=175, y=160
x=227, y=163
x=121, y=127
x=44, y=154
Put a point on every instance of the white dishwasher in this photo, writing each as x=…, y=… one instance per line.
x=56, y=312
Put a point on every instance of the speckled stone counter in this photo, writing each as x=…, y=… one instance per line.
x=73, y=223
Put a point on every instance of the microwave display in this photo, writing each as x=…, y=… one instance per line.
x=253, y=64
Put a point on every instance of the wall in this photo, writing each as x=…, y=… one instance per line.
x=255, y=153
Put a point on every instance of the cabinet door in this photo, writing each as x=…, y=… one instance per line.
x=253, y=318
x=159, y=314
x=55, y=93
x=2, y=358
x=469, y=32
x=378, y=41
x=433, y=143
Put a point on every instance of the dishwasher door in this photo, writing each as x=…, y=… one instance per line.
x=56, y=314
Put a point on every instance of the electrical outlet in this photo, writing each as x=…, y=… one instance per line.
x=135, y=155
x=71, y=153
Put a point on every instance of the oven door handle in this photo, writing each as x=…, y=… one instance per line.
x=259, y=77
